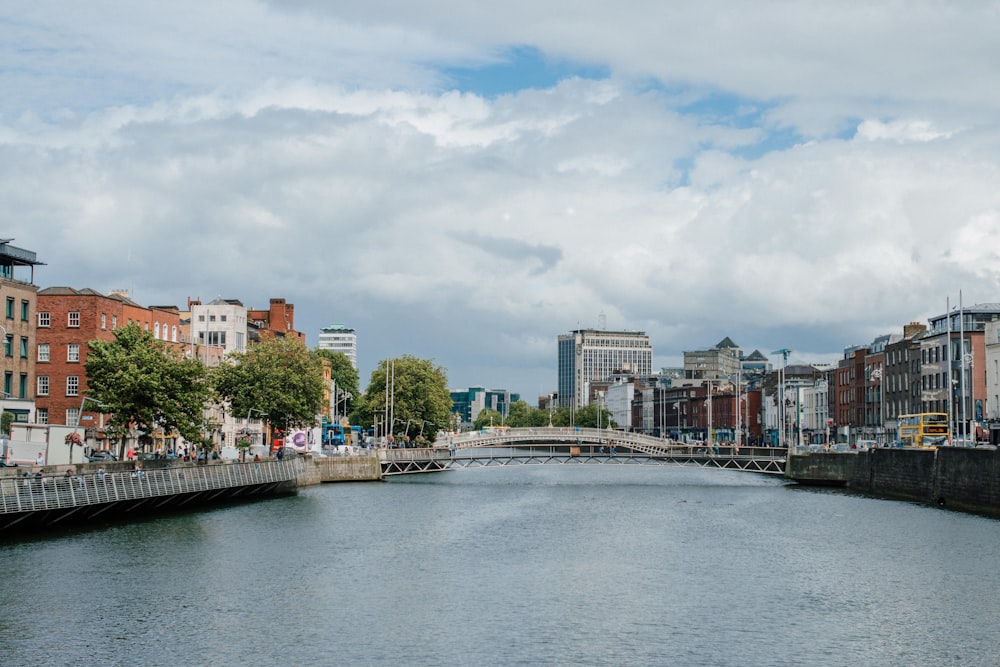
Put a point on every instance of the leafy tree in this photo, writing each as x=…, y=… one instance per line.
x=278, y=378
x=343, y=374
x=420, y=397
x=145, y=383
x=520, y=414
x=590, y=416
x=488, y=417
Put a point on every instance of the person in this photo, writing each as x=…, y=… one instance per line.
x=100, y=474
x=281, y=453
x=256, y=458
x=40, y=459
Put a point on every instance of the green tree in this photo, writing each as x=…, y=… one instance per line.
x=420, y=397
x=520, y=414
x=278, y=378
x=145, y=383
x=344, y=375
x=590, y=416
x=488, y=417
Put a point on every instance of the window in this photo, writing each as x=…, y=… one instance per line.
x=22, y=386
x=8, y=382
x=72, y=416
x=173, y=333
x=24, y=347
x=43, y=385
x=156, y=330
x=43, y=351
x=222, y=318
x=42, y=415
x=73, y=385
x=43, y=320
x=201, y=318
x=25, y=307
x=104, y=320
x=217, y=338
x=73, y=352
x=10, y=308
x=73, y=319
x=8, y=345
x=211, y=318
x=114, y=321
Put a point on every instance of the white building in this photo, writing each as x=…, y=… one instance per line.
x=339, y=338
x=221, y=324
x=592, y=355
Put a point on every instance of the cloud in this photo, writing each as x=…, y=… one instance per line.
x=784, y=174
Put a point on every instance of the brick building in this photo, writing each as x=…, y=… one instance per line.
x=278, y=321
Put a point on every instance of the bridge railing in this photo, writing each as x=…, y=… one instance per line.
x=25, y=494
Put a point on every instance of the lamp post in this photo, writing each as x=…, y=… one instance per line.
x=677, y=407
x=74, y=438
x=877, y=374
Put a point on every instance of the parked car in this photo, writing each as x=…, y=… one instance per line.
x=101, y=455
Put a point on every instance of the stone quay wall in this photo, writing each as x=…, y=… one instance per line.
x=340, y=469
x=959, y=478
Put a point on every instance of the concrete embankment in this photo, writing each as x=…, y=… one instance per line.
x=340, y=469
x=955, y=477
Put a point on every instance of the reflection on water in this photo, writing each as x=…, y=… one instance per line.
x=541, y=565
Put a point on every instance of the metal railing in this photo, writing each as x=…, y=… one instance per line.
x=32, y=493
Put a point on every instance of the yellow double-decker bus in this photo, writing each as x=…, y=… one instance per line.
x=925, y=429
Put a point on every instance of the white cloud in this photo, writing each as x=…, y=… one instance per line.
x=315, y=153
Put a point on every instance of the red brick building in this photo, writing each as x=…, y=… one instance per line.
x=278, y=320
x=67, y=320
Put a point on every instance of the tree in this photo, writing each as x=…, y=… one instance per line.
x=590, y=416
x=278, y=378
x=520, y=414
x=420, y=401
x=343, y=374
x=145, y=383
x=488, y=417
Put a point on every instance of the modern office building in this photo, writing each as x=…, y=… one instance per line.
x=594, y=355
x=339, y=338
x=468, y=403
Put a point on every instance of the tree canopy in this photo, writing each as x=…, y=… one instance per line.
x=145, y=383
x=277, y=379
x=420, y=399
x=344, y=375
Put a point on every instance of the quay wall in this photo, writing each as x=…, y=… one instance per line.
x=341, y=469
x=959, y=478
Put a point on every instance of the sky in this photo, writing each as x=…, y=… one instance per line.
x=466, y=181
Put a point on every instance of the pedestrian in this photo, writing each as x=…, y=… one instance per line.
x=281, y=453
x=100, y=474
x=40, y=459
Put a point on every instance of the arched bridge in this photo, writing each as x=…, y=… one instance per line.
x=561, y=445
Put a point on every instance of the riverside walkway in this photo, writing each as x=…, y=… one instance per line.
x=560, y=445
x=30, y=502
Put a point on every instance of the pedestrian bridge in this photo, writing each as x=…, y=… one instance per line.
x=561, y=445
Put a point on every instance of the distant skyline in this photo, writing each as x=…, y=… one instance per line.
x=465, y=182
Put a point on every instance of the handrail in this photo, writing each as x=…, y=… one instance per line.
x=26, y=494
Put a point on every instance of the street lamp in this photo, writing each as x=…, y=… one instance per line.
x=74, y=437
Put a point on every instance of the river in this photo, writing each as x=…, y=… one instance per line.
x=545, y=565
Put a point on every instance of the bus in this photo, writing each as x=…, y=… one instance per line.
x=925, y=430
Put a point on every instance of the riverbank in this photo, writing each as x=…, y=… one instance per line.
x=958, y=478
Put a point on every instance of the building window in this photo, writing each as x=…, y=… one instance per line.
x=24, y=347
x=8, y=345
x=173, y=333
x=8, y=382
x=73, y=417
x=104, y=320
x=217, y=338
x=156, y=330
x=72, y=385
x=43, y=351
x=25, y=306
x=201, y=318
x=43, y=320
x=10, y=308
x=73, y=319
x=43, y=385
x=22, y=386
x=114, y=321
x=42, y=415
x=73, y=352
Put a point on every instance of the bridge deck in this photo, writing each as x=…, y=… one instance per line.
x=407, y=461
